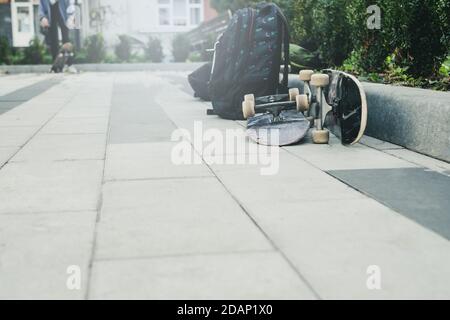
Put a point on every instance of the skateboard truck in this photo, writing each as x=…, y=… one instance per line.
x=293, y=101
x=309, y=99
x=319, y=134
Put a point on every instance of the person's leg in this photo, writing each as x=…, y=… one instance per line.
x=63, y=27
x=53, y=35
x=65, y=36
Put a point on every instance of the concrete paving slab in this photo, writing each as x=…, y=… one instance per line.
x=76, y=126
x=21, y=95
x=5, y=106
x=50, y=186
x=296, y=181
x=149, y=161
x=37, y=250
x=13, y=82
x=63, y=147
x=179, y=79
x=230, y=276
x=140, y=119
x=6, y=153
x=334, y=242
x=335, y=156
x=16, y=136
x=419, y=194
x=24, y=119
x=125, y=133
x=10, y=83
x=84, y=112
x=141, y=219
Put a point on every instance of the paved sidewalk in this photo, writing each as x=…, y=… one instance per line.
x=88, y=180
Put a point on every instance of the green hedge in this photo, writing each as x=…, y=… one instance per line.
x=5, y=51
x=414, y=33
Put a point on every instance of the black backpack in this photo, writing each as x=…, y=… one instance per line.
x=248, y=57
x=199, y=81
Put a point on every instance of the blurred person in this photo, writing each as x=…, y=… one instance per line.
x=55, y=15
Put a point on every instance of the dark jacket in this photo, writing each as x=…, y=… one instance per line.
x=45, y=8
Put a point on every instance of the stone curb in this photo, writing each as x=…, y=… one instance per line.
x=416, y=119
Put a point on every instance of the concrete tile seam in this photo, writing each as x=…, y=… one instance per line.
x=159, y=179
x=100, y=201
x=44, y=212
x=183, y=255
x=73, y=134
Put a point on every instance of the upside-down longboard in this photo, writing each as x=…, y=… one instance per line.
x=332, y=99
x=281, y=125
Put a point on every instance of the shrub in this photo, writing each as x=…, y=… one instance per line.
x=426, y=39
x=369, y=45
x=123, y=48
x=300, y=58
x=110, y=58
x=195, y=57
x=322, y=25
x=36, y=53
x=153, y=51
x=138, y=58
x=94, y=49
x=5, y=51
x=416, y=32
x=180, y=48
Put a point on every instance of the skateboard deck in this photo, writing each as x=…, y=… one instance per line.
x=288, y=128
x=345, y=112
x=62, y=59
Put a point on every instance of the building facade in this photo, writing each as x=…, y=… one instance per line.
x=19, y=20
x=139, y=19
x=142, y=18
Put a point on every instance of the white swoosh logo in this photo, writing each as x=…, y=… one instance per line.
x=350, y=114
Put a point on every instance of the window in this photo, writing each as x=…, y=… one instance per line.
x=23, y=19
x=195, y=8
x=180, y=12
x=194, y=16
x=22, y=22
x=164, y=17
x=164, y=12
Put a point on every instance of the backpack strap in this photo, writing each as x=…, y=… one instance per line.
x=286, y=42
